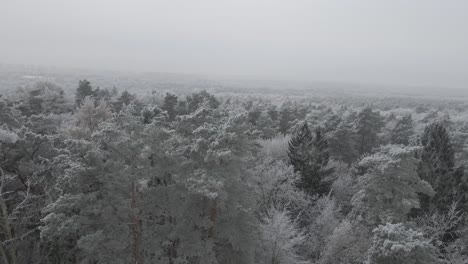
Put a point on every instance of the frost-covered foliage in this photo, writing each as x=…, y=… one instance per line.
x=202, y=178
x=7, y=136
x=275, y=182
x=446, y=231
x=281, y=238
x=325, y=219
x=368, y=126
x=348, y=243
x=396, y=243
x=344, y=186
x=402, y=131
x=342, y=143
x=42, y=98
x=437, y=166
x=276, y=148
x=89, y=116
x=389, y=188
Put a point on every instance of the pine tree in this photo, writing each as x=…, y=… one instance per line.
x=266, y=125
x=368, y=126
x=196, y=100
x=124, y=99
x=9, y=117
x=169, y=105
x=285, y=118
x=342, y=143
x=273, y=113
x=309, y=156
x=25, y=170
x=403, y=131
x=42, y=98
x=216, y=174
x=254, y=115
x=389, y=187
x=181, y=108
x=332, y=122
x=395, y=244
x=84, y=89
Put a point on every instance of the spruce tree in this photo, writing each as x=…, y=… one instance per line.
x=437, y=157
x=437, y=166
x=299, y=147
x=309, y=156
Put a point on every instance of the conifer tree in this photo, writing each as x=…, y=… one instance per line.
x=403, y=131
x=266, y=125
x=437, y=156
x=389, y=187
x=309, y=156
x=299, y=146
x=342, y=143
x=285, y=118
x=437, y=166
x=196, y=100
x=395, y=244
x=169, y=105
x=368, y=126
x=84, y=89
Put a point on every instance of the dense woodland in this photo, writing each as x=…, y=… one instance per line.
x=203, y=178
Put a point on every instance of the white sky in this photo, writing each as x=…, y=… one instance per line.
x=411, y=42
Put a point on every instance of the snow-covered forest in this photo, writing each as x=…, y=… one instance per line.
x=98, y=175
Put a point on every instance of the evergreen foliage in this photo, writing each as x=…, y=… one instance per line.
x=368, y=126
x=309, y=156
x=437, y=166
x=202, y=178
x=84, y=89
x=389, y=188
x=169, y=105
x=403, y=131
x=395, y=243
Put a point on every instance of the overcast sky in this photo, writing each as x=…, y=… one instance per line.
x=413, y=42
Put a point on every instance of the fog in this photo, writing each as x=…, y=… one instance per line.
x=421, y=43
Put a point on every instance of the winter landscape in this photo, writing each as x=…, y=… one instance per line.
x=249, y=132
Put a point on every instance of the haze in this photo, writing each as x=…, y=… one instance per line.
x=423, y=43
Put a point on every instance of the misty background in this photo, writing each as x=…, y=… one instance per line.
x=414, y=43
